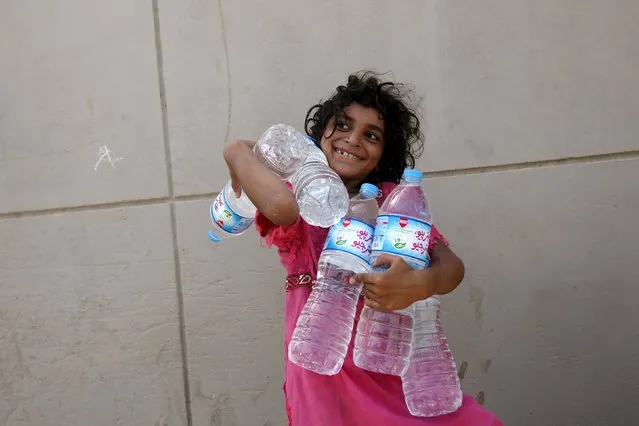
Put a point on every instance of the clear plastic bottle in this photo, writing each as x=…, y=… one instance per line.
x=230, y=215
x=383, y=340
x=283, y=149
x=321, y=196
x=325, y=325
x=431, y=384
x=320, y=193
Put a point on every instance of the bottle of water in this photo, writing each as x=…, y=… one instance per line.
x=321, y=196
x=431, y=385
x=230, y=215
x=320, y=193
x=383, y=340
x=324, y=328
x=283, y=149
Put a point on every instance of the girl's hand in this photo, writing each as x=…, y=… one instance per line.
x=265, y=189
x=396, y=288
x=235, y=183
x=400, y=286
x=229, y=152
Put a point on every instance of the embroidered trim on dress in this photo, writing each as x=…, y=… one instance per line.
x=295, y=281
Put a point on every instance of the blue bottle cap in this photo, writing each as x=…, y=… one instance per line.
x=368, y=190
x=214, y=237
x=413, y=175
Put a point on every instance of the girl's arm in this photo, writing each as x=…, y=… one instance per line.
x=448, y=271
x=263, y=187
x=400, y=286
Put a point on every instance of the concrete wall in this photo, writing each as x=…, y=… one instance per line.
x=114, y=307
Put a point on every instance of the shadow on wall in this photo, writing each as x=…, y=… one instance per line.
x=463, y=369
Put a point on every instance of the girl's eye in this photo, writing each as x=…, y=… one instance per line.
x=341, y=125
x=373, y=137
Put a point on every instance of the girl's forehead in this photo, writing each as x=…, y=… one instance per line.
x=357, y=112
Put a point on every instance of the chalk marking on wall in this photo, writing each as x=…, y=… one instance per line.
x=105, y=153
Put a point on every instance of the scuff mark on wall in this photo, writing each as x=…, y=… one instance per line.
x=481, y=398
x=223, y=414
x=161, y=421
x=461, y=373
x=476, y=299
x=21, y=363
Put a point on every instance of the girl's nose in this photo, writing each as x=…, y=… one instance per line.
x=353, y=139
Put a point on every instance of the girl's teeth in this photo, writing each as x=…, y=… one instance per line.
x=346, y=154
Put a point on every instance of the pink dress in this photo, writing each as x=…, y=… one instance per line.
x=353, y=397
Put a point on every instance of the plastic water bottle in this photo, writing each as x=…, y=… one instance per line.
x=283, y=149
x=320, y=193
x=324, y=328
x=383, y=340
x=431, y=385
x=230, y=215
x=321, y=196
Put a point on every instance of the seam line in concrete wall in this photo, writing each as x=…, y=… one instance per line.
x=595, y=158
x=229, y=93
x=628, y=155
x=174, y=233
x=85, y=207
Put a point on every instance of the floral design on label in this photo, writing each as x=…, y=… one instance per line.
x=225, y=217
x=351, y=236
x=403, y=236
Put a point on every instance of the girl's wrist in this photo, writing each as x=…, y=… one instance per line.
x=424, y=283
x=235, y=152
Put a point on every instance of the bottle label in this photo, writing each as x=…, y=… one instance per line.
x=225, y=217
x=400, y=235
x=351, y=236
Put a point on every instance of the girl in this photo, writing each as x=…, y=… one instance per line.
x=368, y=134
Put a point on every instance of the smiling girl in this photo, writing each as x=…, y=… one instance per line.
x=368, y=134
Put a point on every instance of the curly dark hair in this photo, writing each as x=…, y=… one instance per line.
x=404, y=140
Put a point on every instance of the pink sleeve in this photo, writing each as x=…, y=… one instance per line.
x=436, y=238
x=283, y=237
x=280, y=236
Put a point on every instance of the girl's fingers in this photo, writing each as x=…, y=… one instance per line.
x=371, y=303
x=385, y=259
x=368, y=294
x=372, y=290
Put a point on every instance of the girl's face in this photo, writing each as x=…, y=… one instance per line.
x=354, y=149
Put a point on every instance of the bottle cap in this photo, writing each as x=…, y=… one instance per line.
x=368, y=190
x=413, y=175
x=214, y=237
